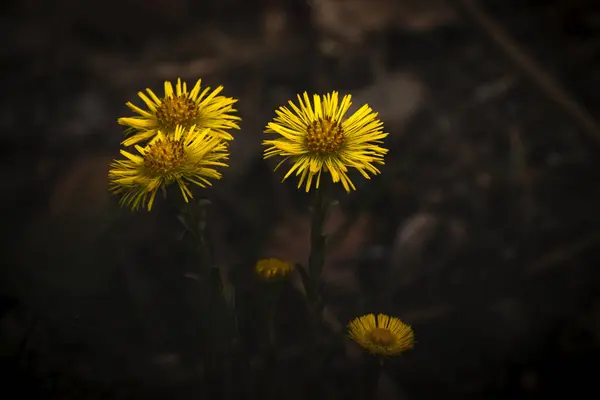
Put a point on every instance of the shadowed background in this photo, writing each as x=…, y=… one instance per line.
x=482, y=231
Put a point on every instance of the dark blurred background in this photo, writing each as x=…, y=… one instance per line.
x=482, y=231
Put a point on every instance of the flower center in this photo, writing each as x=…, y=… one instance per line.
x=324, y=136
x=173, y=111
x=163, y=156
x=382, y=337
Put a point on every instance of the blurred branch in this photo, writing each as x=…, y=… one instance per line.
x=550, y=86
x=563, y=254
x=124, y=71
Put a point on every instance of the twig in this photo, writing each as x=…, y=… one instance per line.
x=550, y=86
x=563, y=254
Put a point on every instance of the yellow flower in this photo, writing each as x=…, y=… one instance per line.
x=186, y=156
x=270, y=268
x=179, y=107
x=317, y=137
x=386, y=336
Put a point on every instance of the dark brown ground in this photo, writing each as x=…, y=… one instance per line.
x=483, y=227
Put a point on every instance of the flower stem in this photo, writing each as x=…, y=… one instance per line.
x=373, y=370
x=218, y=296
x=205, y=253
x=272, y=294
x=316, y=259
x=312, y=283
x=194, y=218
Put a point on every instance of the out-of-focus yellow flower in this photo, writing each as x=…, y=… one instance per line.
x=385, y=336
x=186, y=156
x=270, y=268
x=178, y=107
x=317, y=137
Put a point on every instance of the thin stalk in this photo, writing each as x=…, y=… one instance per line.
x=205, y=252
x=371, y=376
x=196, y=222
x=316, y=259
x=312, y=280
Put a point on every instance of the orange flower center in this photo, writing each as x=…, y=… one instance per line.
x=173, y=111
x=324, y=136
x=163, y=156
x=381, y=337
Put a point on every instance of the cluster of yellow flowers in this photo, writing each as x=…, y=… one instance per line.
x=183, y=138
x=180, y=138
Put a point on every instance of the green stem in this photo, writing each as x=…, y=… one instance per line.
x=312, y=281
x=194, y=218
x=373, y=370
x=218, y=290
x=202, y=223
x=316, y=259
x=217, y=276
x=272, y=294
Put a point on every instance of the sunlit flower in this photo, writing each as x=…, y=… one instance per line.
x=187, y=156
x=270, y=268
x=204, y=109
x=318, y=138
x=384, y=336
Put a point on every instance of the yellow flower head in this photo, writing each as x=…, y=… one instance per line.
x=386, y=336
x=271, y=268
x=317, y=137
x=186, y=156
x=181, y=108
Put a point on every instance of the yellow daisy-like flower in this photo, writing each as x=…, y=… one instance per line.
x=318, y=137
x=186, y=156
x=386, y=336
x=181, y=108
x=270, y=268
